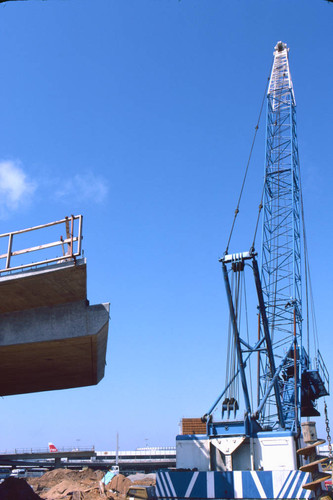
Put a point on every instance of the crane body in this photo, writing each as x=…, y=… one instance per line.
x=249, y=449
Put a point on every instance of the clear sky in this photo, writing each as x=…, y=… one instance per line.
x=139, y=114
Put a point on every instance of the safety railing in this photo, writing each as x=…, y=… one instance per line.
x=323, y=371
x=72, y=229
x=64, y=449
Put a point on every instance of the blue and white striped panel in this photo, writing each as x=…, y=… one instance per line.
x=274, y=484
x=289, y=484
x=173, y=485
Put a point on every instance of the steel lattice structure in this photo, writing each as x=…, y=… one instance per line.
x=281, y=244
x=288, y=384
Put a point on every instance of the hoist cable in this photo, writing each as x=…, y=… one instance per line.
x=228, y=354
x=232, y=361
x=229, y=349
x=258, y=218
x=248, y=163
x=233, y=367
x=306, y=274
x=248, y=337
x=328, y=432
x=308, y=287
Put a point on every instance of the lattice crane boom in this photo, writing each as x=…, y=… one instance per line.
x=287, y=385
x=281, y=243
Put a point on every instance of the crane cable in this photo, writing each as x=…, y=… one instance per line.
x=248, y=163
x=231, y=351
x=328, y=432
x=308, y=286
x=309, y=291
x=239, y=294
x=258, y=218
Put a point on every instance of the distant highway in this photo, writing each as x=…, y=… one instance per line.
x=140, y=460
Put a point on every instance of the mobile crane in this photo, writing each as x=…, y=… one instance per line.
x=259, y=455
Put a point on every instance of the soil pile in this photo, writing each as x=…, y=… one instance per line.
x=60, y=484
x=13, y=488
x=119, y=485
x=65, y=484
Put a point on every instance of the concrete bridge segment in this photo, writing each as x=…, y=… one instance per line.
x=50, y=337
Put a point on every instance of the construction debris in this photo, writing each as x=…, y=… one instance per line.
x=65, y=484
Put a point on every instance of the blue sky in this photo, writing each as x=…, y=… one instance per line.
x=139, y=114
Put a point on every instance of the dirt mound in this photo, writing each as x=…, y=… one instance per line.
x=119, y=484
x=56, y=476
x=16, y=489
x=89, y=475
x=69, y=489
x=68, y=484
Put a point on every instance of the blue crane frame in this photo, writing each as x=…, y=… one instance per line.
x=281, y=243
x=287, y=385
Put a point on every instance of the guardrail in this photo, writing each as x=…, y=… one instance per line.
x=26, y=451
x=323, y=371
x=73, y=233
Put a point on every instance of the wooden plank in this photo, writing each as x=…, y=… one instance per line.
x=193, y=426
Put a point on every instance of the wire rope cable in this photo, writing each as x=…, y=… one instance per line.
x=248, y=337
x=308, y=288
x=258, y=219
x=247, y=165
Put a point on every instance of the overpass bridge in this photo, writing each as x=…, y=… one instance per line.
x=141, y=460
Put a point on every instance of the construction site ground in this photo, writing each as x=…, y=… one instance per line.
x=66, y=484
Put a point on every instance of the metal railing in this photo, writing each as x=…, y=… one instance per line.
x=323, y=371
x=64, y=449
x=67, y=244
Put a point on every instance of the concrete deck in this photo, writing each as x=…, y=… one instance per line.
x=45, y=286
x=50, y=338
